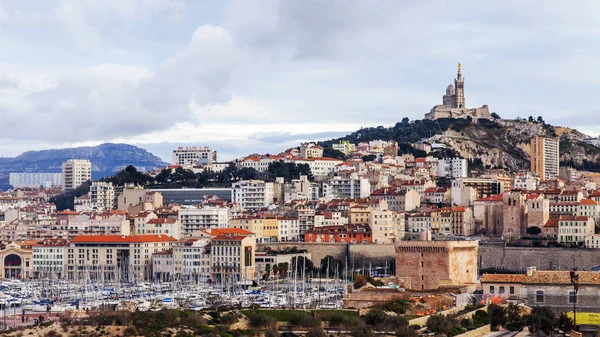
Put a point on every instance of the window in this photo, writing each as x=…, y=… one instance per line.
x=511, y=290
x=539, y=296
x=492, y=290
x=572, y=297
x=501, y=290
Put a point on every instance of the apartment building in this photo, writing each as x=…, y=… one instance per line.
x=194, y=218
x=49, y=259
x=192, y=258
x=102, y=196
x=545, y=158
x=452, y=168
x=193, y=156
x=574, y=229
x=398, y=199
x=345, y=185
x=266, y=229
x=75, y=172
x=114, y=256
x=233, y=256
x=289, y=229
x=310, y=150
x=253, y=194
x=40, y=179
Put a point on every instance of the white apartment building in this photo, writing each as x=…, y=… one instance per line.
x=97, y=225
x=193, y=218
x=525, y=181
x=49, y=259
x=102, y=196
x=192, y=258
x=319, y=167
x=75, y=172
x=160, y=226
x=574, y=229
x=346, y=186
x=452, y=168
x=40, y=179
x=289, y=229
x=194, y=155
x=253, y=194
x=114, y=256
x=592, y=241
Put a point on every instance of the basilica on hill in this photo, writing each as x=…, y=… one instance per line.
x=453, y=103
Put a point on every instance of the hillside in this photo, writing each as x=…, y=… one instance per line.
x=106, y=159
x=499, y=143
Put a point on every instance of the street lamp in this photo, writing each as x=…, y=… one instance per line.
x=575, y=283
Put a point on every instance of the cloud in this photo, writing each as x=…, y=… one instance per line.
x=269, y=73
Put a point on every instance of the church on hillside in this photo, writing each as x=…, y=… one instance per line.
x=453, y=103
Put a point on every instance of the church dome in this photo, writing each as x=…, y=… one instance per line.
x=450, y=90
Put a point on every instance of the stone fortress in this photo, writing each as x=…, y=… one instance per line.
x=454, y=105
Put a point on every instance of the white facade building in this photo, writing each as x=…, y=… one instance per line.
x=194, y=155
x=346, y=186
x=42, y=179
x=102, y=196
x=253, y=194
x=289, y=229
x=75, y=172
x=453, y=168
x=194, y=218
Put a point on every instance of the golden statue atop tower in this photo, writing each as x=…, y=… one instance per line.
x=459, y=67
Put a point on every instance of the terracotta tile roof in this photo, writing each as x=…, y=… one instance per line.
x=122, y=239
x=68, y=212
x=551, y=223
x=236, y=231
x=562, y=277
x=573, y=218
x=497, y=197
x=544, y=277
x=502, y=278
x=229, y=237
x=588, y=202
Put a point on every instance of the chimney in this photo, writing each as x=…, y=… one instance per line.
x=530, y=271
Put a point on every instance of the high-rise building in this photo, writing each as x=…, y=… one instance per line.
x=194, y=155
x=75, y=172
x=102, y=196
x=253, y=194
x=43, y=179
x=545, y=157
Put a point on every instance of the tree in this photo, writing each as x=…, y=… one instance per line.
x=406, y=332
x=331, y=153
x=495, y=116
x=498, y=316
x=530, y=119
x=481, y=318
x=540, y=120
x=441, y=324
x=362, y=331
x=370, y=157
x=268, y=271
x=565, y=323
x=331, y=266
x=316, y=332
x=360, y=281
x=533, y=230
x=302, y=264
x=540, y=319
x=405, y=120
x=375, y=317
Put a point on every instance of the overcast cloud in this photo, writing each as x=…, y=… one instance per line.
x=261, y=75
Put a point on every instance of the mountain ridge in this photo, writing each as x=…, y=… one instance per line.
x=106, y=159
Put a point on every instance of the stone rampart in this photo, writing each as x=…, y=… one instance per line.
x=519, y=258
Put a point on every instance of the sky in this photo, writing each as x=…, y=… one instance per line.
x=260, y=76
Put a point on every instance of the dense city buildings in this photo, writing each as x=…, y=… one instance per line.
x=21, y=180
x=545, y=159
x=75, y=172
